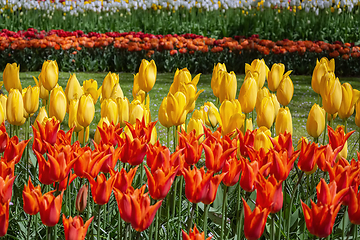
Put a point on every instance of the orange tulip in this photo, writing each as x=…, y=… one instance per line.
x=354, y=209
x=281, y=163
x=233, y=169
x=160, y=181
x=269, y=193
x=4, y=138
x=15, y=149
x=192, y=149
x=254, y=221
x=215, y=155
x=101, y=188
x=134, y=208
x=338, y=138
x=124, y=179
x=133, y=151
x=50, y=207
x=201, y=186
x=194, y=234
x=309, y=155
x=243, y=141
x=31, y=196
x=74, y=228
x=4, y=218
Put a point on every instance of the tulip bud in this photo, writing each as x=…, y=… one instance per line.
x=349, y=97
x=137, y=93
x=231, y=116
x=163, y=116
x=109, y=82
x=264, y=92
x=276, y=103
x=228, y=86
x=50, y=74
x=43, y=92
x=15, y=108
x=176, y=108
x=216, y=78
x=283, y=121
x=86, y=110
x=97, y=135
x=147, y=75
x=320, y=69
x=2, y=114
x=315, y=124
x=248, y=95
x=31, y=99
x=58, y=103
x=197, y=125
x=357, y=115
x=73, y=109
x=285, y=90
x=275, y=76
x=266, y=113
x=331, y=93
x=91, y=87
x=259, y=70
x=262, y=139
x=181, y=78
x=211, y=114
x=109, y=109
x=137, y=111
x=40, y=117
x=3, y=100
x=11, y=77
x=73, y=89
x=123, y=110
x=117, y=92
x=81, y=199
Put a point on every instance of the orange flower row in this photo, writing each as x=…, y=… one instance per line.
x=179, y=44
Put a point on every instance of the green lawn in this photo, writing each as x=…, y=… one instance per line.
x=304, y=97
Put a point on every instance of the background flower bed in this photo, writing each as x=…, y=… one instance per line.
x=123, y=52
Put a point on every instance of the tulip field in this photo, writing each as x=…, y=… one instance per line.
x=180, y=155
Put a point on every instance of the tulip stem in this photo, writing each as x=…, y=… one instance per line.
x=168, y=216
x=152, y=224
x=55, y=232
x=179, y=207
x=168, y=137
x=272, y=229
x=28, y=228
x=355, y=232
x=345, y=124
x=98, y=222
x=48, y=233
x=291, y=203
x=246, y=116
x=343, y=223
x=84, y=140
x=157, y=225
x=174, y=200
x=119, y=226
x=223, y=224
x=325, y=129
x=206, y=211
x=191, y=216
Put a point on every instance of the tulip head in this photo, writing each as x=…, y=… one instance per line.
x=163, y=116
x=147, y=75
x=259, y=70
x=315, y=124
x=75, y=228
x=73, y=109
x=231, y=116
x=262, y=139
x=31, y=99
x=266, y=113
x=108, y=84
x=283, y=121
x=320, y=69
x=11, y=77
x=275, y=76
x=248, y=95
x=15, y=108
x=58, y=103
x=123, y=110
x=86, y=110
x=331, y=93
x=49, y=74
x=216, y=78
x=50, y=208
x=264, y=92
x=81, y=198
x=285, y=90
x=228, y=86
x=109, y=109
x=350, y=97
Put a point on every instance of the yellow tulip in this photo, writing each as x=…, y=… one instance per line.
x=283, y=121
x=331, y=93
x=86, y=110
x=275, y=76
x=264, y=92
x=91, y=87
x=320, y=70
x=31, y=99
x=109, y=109
x=211, y=114
x=215, y=78
x=228, y=86
x=262, y=139
x=137, y=111
x=3, y=100
x=11, y=77
x=73, y=89
x=123, y=110
x=249, y=125
x=349, y=97
x=248, y=95
x=285, y=90
x=58, y=103
x=43, y=92
x=357, y=115
x=81, y=135
x=276, y=104
x=117, y=92
x=147, y=75
x=315, y=124
x=231, y=116
x=109, y=82
x=49, y=74
x=40, y=117
x=136, y=91
x=2, y=114
x=266, y=113
x=177, y=108
x=259, y=71
x=15, y=108
x=163, y=116
x=97, y=135
x=197, y=125
x=73, y=109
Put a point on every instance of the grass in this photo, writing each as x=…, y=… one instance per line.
x=303, y=99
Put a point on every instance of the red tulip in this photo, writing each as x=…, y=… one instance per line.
x=246, y=141
x=281, y=163
x=50, y=207
x=215, y=156
x=81, y=198
x=74, y=228
x=108, y=133
x=101, y=188
x=249, y=174
x=141, y=129
x=48, y=132
x=133, y=151
x=269, y=193
x=159, y=182
x=6, y=186
x=354, y=206
x=192, y=149
x=134, y=207
x=15, y=149
x=4, y=138
x=309, y=155
x=338, y=138
x=4, y=218
x=328, y=156
x=254, y=221
x=124, y=179
x=283, y=141
x=194, y=234
x=233, y=169
x=31, y=196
